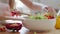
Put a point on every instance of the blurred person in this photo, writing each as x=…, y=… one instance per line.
x=34, y=6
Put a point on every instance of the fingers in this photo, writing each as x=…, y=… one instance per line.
x=51, y=10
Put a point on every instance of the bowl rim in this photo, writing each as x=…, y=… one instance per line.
x=40, y=19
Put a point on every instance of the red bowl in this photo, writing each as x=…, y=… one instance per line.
x=14, y=26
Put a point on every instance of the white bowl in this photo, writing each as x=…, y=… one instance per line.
x=40, y=25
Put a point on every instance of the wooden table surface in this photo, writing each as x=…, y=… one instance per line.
x=26, y=31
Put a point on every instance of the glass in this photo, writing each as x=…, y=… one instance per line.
x=58, y=20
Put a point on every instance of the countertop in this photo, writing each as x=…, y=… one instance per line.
x=26, y=31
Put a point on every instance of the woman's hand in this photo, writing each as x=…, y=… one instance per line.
x=51, y=10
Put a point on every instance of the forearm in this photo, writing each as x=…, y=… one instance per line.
x=31, y=5
x=11, y=4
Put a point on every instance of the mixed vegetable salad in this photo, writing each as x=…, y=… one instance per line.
x=38, y=16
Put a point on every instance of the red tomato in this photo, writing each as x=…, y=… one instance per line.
x=50, y=17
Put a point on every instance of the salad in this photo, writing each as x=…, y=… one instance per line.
x=38, y=16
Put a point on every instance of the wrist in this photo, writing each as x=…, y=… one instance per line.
x=43, y=7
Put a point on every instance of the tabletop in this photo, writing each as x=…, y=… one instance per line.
x=26, y=31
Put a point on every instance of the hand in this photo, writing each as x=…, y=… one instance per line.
x=51, y=10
